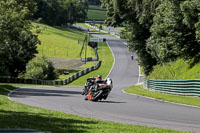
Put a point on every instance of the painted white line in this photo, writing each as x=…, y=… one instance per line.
x=9, y=94
x=114, y=60
x=161, y=100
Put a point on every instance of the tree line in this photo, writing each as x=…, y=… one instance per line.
x=94, y=2
x=159, y=31
x=19, y=39
x=61, y=12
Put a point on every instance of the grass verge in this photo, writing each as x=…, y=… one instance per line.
x=106, y=58
x=189, y=100
x=16, y=115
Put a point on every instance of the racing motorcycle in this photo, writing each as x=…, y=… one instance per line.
x=90, y=82
x=100, y=90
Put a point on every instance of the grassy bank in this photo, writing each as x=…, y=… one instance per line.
x=62, y=42
x=96, y=13
x=176, y=70
x=16, y=115
x=189, y=100
x=106, y=58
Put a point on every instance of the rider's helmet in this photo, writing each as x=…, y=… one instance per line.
x=99, y=77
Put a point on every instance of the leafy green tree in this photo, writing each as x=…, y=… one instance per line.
x=17, y=42
x=41, y=68
x=137, y=15
x=158, y=30
x=61, y=12
x=94, y=2
x=173, y=31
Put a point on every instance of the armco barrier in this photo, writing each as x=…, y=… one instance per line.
x=180, y=87
x=4, y=79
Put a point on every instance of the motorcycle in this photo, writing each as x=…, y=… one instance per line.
x=100, y=90
x=90, y=82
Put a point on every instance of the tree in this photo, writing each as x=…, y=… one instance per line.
x=17, y=42
x=158, y=30
x=137, y=15
x=94, y=2
x=173, y=31
x=61, y=12
x=41, y=68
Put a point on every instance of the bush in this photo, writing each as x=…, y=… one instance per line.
x=41, y=68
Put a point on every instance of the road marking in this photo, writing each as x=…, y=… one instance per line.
x=9, y=94
x=113, y=63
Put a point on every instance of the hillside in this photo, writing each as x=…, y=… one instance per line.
x=176, y=70
x=96, y=13
x=61, y=42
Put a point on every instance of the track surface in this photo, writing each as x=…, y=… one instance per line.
x=119, y=107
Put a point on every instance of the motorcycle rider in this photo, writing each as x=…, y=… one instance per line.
x=102, y=84
x=98, y=78
x=90, y=82
x=108, y=84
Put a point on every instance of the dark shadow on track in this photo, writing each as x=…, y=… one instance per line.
x=110, y=102
x=43, y=92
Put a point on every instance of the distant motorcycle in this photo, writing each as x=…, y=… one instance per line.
x=100, y=90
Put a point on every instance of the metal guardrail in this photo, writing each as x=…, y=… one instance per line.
x=4, y=79
x=180, y=87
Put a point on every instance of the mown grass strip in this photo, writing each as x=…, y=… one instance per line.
x=188, y=100
x=16, y=115
x=96, y=15
x=61, y=42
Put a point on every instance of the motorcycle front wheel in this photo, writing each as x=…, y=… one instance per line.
x=97, y=95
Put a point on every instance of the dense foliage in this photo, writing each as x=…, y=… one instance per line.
x=61, y=12
x=94, y=2
x=17, y=42
x=159, y=31
x=41, y=68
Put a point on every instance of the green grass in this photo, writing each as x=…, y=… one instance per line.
x=73, y=71
x=107, y=59
x=189, y=100
x=96, y=15
x=61, y=42
x=16, y=115
x=101, y=25
x=85, y=26
x=176, y=70
x=93, y=7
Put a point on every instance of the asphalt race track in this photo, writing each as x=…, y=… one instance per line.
x=119, y=106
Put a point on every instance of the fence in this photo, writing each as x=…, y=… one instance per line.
x=180, y=87
x=4, y=79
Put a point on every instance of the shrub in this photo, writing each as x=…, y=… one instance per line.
x=41, y=68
